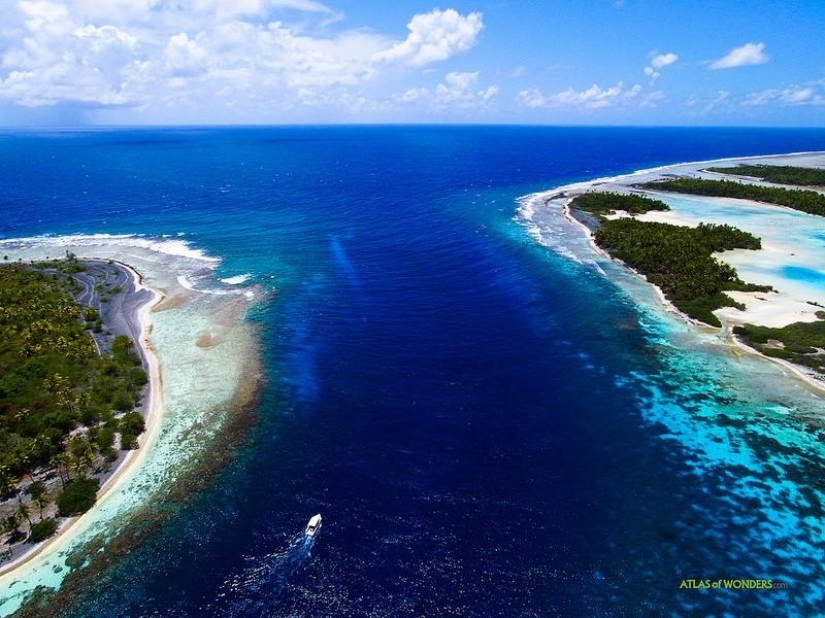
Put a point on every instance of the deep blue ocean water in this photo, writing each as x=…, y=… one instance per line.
x=442, y=388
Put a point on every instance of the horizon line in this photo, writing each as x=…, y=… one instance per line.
x=175, y=126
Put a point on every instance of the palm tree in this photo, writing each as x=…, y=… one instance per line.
x=12, y=524
x=37, y=491
x=7, y=482
x=61, y=462
x=23, y=512
x=81, y=454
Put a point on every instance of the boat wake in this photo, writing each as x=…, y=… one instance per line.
x=256, y=590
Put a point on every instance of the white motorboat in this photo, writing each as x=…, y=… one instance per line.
x=313, y=525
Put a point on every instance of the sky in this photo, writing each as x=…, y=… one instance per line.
x=573, y=62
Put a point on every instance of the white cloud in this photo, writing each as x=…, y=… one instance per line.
x=792, y=95
x=657, y=62
x=652, y=73
x=105, y=36
x=517, y=72
x=414, y=94
x=199, y=53
x=459, y=90
x=720, y=97
x=748, y=54
x=797, y=95
x=652, y=99
x=41, y=14
x=58, y=58
x=663, y=60
x=184, y=57
x=36, y=89
x=702, y=105
x=594, y=97
x=434, y=36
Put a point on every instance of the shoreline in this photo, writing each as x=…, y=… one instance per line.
x=140, y=318
x=208, y=375
x=564, y=195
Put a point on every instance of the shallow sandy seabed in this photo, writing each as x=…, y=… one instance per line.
x=792, y=259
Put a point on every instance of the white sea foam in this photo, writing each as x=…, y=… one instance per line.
x=185, y=283
x=543, y=218
x=237, y=279
x=193, y=268
x=166, y=245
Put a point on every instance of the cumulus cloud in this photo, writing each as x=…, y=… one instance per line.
x=657, y=62
x=748, y=54
x=196, y=52
x=58, y=58
x=663, y=60
x=458, y=90
x=184, y=56
x=105, y=36
x=594, y=97
x=434, y=36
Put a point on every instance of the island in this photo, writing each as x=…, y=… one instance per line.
x=75, y=392
x=156, y=304
x=677, y=259
x=690, y=229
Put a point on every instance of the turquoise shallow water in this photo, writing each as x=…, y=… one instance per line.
x=808, y=275
x=490, y=425
x=792, y=259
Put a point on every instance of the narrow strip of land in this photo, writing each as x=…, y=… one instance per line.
x=803, y=200
x=779, y=314
x=121, y=303
x=779, y=174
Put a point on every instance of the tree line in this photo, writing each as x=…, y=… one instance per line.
x=64, y=409
x=780, y=174
x=803, y=200
x=608, y=203
x=679, y=261
x=801, y=342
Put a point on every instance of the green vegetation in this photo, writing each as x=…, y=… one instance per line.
x=678, y=260
x=42, y=530
x=131, y=426
x=801, y=343
x=780, y=174
x=37, y=491
x=61, y=404
x=69, y=264
x=810, y=202
x=78, y=497
x=51, y=379
x=608, y=203
x=93, y=320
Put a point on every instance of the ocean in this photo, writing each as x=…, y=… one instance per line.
x=490, y=425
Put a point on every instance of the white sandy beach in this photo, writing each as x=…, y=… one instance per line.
x=781, y=248
x=792, y=242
